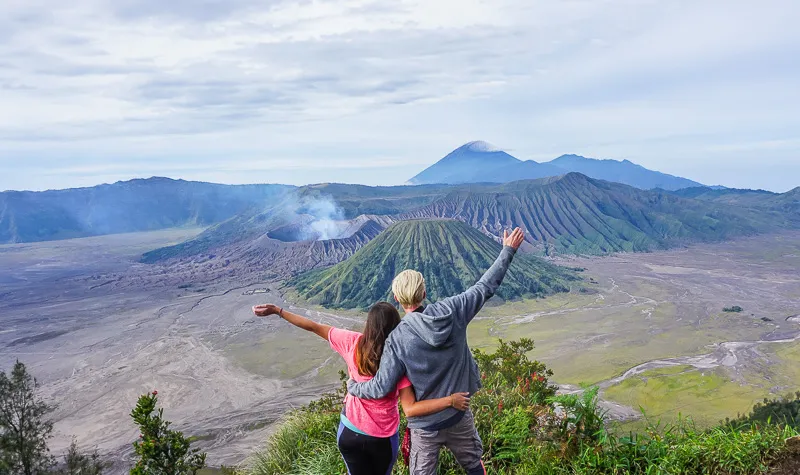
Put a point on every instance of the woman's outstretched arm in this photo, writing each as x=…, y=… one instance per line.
x=414, y=408
x=293, y=318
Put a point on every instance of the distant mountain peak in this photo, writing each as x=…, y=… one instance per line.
x=466, y=164
x=571, y=156
x=480, y=146
x=482, y=162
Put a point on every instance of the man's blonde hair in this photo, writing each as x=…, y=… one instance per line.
x=409, y=288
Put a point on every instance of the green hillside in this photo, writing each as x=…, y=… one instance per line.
x=577, y=214
x=451, y=255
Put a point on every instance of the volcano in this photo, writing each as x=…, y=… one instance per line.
x=450, y=254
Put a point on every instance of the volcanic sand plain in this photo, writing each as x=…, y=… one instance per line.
x=648, y=328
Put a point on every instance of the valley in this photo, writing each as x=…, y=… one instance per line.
x=657, y=318
x=649, y=328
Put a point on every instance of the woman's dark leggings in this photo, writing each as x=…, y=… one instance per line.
x=367, y=455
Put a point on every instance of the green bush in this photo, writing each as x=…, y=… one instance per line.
x=161, y=450
x=782, y=411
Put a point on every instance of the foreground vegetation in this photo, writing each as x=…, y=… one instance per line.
x=25, y=431
x=527, y=429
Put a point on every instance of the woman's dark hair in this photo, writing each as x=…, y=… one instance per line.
x=382, y=318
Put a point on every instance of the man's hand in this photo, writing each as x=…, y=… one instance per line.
x=514, y=239
x=266, y=309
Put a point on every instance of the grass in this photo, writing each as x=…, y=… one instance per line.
x=708, y=395
x=784, y=370
x=789, y=355
x=286, y=357
x=304, y=444
x=592, y=338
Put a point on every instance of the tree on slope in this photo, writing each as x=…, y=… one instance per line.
x=161, y=450
x=79, y=463
x=23, y=429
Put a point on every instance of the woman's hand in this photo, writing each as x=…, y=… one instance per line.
x=460, y=401
x=266, y=309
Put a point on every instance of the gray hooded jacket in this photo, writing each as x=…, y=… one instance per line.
x=431, y=348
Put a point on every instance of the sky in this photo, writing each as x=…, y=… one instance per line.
x=372, y=92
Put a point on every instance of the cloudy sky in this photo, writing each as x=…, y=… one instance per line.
x=361, y=91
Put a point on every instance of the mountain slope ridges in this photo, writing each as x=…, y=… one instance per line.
x=577, y=214
x=451, y=256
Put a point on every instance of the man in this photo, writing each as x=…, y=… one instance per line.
x=430, y=347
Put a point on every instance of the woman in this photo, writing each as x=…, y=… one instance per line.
x=367, y=435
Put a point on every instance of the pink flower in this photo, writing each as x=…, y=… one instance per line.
x=155, y=393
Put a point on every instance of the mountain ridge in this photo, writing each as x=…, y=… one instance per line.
x=472, y=163
x=125, y=206
x=576, y=214
x=567, y=214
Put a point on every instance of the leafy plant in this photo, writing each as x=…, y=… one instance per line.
x=510, y=368
x=161, y=450
x=584, y=421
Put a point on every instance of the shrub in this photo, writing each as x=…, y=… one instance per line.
x=782, y=411
x=734, y=309
x=161, y=450
x=78, y=463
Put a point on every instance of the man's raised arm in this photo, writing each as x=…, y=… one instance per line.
x=466, y=305
x=385, y=381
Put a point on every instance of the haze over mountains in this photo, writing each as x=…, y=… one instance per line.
x=481, y=162
x=135, y=205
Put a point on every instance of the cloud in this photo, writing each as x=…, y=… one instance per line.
x=142, y=83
